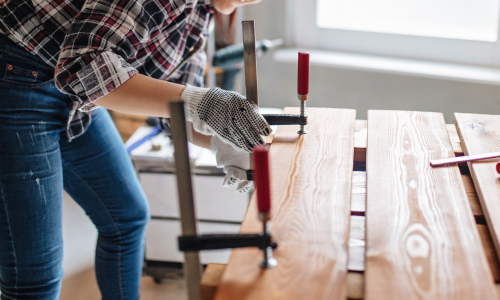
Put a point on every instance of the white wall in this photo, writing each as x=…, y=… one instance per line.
x=361, y=90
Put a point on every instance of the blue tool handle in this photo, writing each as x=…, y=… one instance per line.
x=154, y=132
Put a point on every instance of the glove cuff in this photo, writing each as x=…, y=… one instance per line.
x=192, y=96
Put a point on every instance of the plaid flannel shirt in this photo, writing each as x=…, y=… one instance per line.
x=96, y=45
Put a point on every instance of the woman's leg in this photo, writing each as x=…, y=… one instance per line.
x=99, y=175
x=31, y=251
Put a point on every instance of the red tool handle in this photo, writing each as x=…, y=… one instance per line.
x=303, y=74
x=261, y=162
x=498, y=168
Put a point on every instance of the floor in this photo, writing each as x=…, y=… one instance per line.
x=79, y=281
x=83, y=286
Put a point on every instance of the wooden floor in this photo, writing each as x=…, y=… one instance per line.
x=83, y=286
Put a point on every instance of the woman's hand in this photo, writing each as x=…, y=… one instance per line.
x=229, y=115
x=235, y=163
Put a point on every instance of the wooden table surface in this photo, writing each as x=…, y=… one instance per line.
x=442, y=217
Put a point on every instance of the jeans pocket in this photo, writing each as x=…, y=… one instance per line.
x=19, y=71
x=19, y=74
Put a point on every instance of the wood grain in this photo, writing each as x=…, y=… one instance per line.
x=421, y=238
x=361, y=135
x=358, y=197
x=311, y=188
x=480, y=134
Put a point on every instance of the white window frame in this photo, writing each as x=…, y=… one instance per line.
x=304, y=33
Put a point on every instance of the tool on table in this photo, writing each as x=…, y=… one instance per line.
x=230, y=59
x=190, y=242
x=154, y=132
x=250, y=60
x=445, y=161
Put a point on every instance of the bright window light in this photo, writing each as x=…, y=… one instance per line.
x=455, y=19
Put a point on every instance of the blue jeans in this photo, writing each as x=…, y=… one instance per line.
x=36, y=162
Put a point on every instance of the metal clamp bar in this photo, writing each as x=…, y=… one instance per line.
x=250, y=61
x=285, y=119
x=192, y=267
x=224, y=241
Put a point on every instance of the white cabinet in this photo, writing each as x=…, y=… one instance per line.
x=218, y=210
x=213, y=201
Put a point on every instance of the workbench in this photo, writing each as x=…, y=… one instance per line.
x=359, y=213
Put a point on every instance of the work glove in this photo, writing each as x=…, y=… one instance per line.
x=229, y=115
x=234, y=163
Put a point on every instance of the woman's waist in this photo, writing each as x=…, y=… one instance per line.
x=10, y=47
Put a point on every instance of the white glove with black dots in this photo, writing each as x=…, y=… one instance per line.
x=229, y=115
x=234, y=162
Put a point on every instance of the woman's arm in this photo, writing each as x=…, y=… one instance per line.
x=142, y=95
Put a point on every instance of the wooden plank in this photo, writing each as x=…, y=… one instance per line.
x=481, y=134
x=361, y=135
x=211, y=280
x=311, y=188
x=354, y=283
x=358, y=197
x=421, y=239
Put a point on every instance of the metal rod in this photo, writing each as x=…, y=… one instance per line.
x=268, y=261
x=192, y=267
x=439, y=162
x=250, y=63
x=302, y=114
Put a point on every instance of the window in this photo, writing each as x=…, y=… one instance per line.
x=458, y=31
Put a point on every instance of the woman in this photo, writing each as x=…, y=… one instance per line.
x=59, y=62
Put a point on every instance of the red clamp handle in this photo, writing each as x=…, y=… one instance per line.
x=261, y=179
x=303, y=74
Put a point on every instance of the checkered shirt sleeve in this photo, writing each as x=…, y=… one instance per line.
x=192, y=72
x=93, y=56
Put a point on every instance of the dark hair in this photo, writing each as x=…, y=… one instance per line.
x=225, y=32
